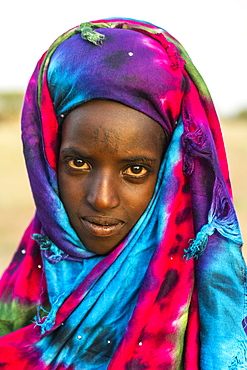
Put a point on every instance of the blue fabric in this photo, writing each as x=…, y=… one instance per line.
x=97, y=310
x=221, y=273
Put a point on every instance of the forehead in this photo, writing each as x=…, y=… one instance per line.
x=110, y=124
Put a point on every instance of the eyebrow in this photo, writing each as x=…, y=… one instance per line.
x=134, y=159
x=139, y=158
x=71, y=150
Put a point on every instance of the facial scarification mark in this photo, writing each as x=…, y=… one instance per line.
x=108, y=138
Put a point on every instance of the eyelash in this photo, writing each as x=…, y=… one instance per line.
x=71, y=164
x=137, y=176
x=72, y=160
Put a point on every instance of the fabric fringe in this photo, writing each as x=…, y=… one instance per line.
x=239, y=362
x=42, y=240
x=52, y=253
x=221, y=217
x=47, y=322
x=223, y=214
x=198, y=245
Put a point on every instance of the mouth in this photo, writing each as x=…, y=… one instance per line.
x=102, y=226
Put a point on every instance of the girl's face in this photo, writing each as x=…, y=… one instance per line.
x=109, y=160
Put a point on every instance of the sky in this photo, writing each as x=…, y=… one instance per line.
x=214, y=32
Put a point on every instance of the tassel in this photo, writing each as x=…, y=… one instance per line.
x=43, y=240
x=46, y=323
x=52, y=253
x=221, y=217
x=197, y=246
x=240, y=360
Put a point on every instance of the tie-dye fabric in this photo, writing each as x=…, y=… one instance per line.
x=172, y=294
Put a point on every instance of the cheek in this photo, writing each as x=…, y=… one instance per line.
x=68, y=191
x=139, y=199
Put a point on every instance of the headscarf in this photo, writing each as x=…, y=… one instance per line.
x=171, y=295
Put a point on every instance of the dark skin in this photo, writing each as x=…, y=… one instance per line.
x=108, y=165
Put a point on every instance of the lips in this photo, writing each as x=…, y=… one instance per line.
x=102, y=226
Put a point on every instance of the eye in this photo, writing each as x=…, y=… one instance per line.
x=136, y=171
x=78, y=164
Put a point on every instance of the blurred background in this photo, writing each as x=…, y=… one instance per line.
x=214, y=32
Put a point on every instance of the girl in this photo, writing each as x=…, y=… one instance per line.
x=133, y=258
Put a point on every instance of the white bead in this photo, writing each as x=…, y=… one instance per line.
x=79, y=337
x=140, y=344
x=108, y=341
x=62, y=115
x=23, y=251
x=62, y=324
x=130, y=54
x=171, y=258
x=39, y=266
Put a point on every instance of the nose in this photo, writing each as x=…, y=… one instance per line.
x=102, y=192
